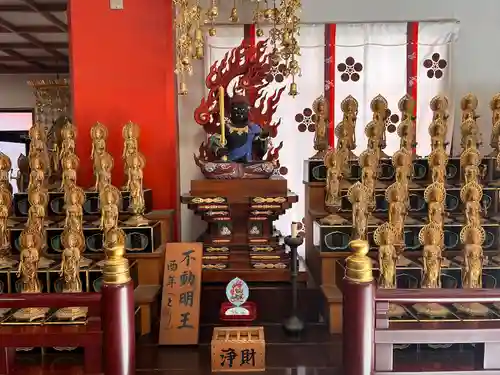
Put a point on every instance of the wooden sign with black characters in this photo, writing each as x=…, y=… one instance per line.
x=238, y=349
x=180, y=307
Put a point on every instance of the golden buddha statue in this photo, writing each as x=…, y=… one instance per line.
x=471, y=195
x=130, y=134
x=68, y=135
x=384, y=237
x=103, y=167
x=99, y=135
x=110, y=201
x=472, y=238
x=135, y=165
x=431, y=236
x=30, y=242
x=5, y=245
x=406, y=129
x=346, y=130
x=495, y=131
x=5, y=168
x=469, y=128
x=332, y=189
x=358, y=196
x=438, y=160
x=69, y=164
x=38, y=145
x=37, y=168
x=320, y=108
x=74, y=198
x=74, y=244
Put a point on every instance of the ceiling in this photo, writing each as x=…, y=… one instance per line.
x=33, y=36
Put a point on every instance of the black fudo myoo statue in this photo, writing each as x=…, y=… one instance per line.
x=240, y=141
x=240, y=145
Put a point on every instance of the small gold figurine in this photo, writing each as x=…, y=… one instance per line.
x=73, y=243
x=5, y=245
x=438, y=160
x=110, y=201
x=438, y=128
x=471, y=195
x=37, y=174
x=38, y=199
x=402, y=163
x=99, y=135
x=5, y=168
x=74, y=198
x=130, y=134
x=332, y=189
x=472, y=238
x=358, y=196
x=469, y=128
x=470, y=161
x=69, y=163
x=435, y=195
x=384, y=237
x=432, y=237
x=68, y=135
x=368, y=161
x=346, y=130
x=103, y=166
x=396, y=196
x=136, y=163
x=38, y=145
x=406, y=129
x=30, y=243
x=495, y=131
x=320, y=106
x=379, y=107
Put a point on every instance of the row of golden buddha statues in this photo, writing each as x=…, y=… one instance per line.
x=389, y=235
x=32, y=241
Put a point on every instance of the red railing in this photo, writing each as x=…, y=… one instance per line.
x=368, y=336
x=108, y=338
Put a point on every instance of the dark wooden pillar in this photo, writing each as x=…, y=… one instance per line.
x=117, y=306
x=358, y=312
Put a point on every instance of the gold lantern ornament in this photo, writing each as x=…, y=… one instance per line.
x=196, y=18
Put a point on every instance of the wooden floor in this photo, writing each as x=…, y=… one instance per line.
x=316, y=354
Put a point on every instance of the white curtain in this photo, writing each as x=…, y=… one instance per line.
x=297, y=130
x=435, y=41
x=371, y=59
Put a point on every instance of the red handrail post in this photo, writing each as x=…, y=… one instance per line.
x=117, y=311
x=358, y=312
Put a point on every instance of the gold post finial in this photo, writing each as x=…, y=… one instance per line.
x=359, y=265
x=116, y=269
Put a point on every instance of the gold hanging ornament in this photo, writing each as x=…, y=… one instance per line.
x=192, y=20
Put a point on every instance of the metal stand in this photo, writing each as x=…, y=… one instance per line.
x=294, y=325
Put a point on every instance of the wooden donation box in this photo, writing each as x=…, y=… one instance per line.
x=238, y=349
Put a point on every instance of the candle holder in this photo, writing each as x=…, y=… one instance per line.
x=293, y=325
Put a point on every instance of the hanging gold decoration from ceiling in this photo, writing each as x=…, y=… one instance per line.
x=193, y=20
x=53, y=99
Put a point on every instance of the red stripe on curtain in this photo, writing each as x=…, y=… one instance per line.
x=250, y=36
x=412, y=65
x=330, y=36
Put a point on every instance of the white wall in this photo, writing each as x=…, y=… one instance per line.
x=474, y=60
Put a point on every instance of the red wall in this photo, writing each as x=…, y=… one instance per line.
x=122, y=68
